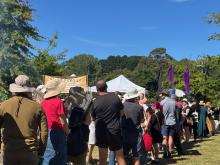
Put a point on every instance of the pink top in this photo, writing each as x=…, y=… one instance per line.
x=53, y=108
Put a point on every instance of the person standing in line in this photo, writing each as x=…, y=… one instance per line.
x=132, y=123
x=169, y=125
x=21, y=119
x=202, y=127
x=194, y=109
x=155, y=130
x=179, y=127
x=187, y=117
x=106, y=112
x=56, y=150
x=77, y=138
x=209, y=120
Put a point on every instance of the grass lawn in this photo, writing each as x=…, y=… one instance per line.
x=203, y=152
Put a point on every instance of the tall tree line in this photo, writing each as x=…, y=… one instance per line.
x=19, y=56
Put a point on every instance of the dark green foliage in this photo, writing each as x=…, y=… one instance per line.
x=15, y=47
x=17, y=57
x=83, y=64
x=49, y=64
x=119, y=62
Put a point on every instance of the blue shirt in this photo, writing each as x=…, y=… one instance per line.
x=169, y=111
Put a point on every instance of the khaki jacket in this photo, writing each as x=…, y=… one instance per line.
x=23, y=125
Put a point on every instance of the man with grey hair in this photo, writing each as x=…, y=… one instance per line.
x=20, y=120
x=169, y=125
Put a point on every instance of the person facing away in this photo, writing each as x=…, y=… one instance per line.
x=169, y=125
x=202, y=126
x=106, y=112
x=56, y=150
x=132, y=123
x=20, y=120
x=77, y=138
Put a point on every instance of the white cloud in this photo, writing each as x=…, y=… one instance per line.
x=99, y=43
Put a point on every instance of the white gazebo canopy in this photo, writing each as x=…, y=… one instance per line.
x=120, y=84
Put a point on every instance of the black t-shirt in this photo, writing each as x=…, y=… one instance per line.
x=105, y=111
x=157, y=120
x=133, y=116
x=190, y=111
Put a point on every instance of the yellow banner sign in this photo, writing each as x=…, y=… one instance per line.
x=81, y=81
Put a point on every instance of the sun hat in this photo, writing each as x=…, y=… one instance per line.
x=54, y=87
x=185, y=100
x=41, y=88
x=201, y=102
x=21, y=85
x=164, y=92
x=131, y=94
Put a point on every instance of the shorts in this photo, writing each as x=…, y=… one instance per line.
x=91, y=134
x=168, y=130
x=107, y=139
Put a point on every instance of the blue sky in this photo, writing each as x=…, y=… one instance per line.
x=128, y=27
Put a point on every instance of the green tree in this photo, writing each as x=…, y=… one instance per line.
x=214, y=18
x=83, y=64
x=47, y=63
x=119, y=62
x=15, y=47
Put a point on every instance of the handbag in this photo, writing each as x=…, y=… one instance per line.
x=189, y=121
x=148, y=141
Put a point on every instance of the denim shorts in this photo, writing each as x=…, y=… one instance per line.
x=168, y=130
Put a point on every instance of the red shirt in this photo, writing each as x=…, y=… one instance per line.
x=53, y=108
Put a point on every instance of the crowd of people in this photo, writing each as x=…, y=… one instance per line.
x=38, y=127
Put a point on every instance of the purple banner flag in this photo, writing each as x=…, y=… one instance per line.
x=186, y=78
x=171, y=76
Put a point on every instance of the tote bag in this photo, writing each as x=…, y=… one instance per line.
x=148, y=141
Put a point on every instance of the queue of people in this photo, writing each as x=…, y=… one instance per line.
x=43, y=129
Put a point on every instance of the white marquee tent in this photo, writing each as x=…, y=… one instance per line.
x=121, y=84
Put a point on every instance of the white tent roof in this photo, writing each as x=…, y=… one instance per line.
x=120, y=84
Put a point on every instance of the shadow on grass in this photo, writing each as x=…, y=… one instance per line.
x=171, y=161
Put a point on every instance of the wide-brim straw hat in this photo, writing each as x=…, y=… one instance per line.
x=185, y=100
x=54, y=87
x=21, y=85
x=131, y=94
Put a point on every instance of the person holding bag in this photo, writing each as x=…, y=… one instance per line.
x=155, y=129
x=187, y=119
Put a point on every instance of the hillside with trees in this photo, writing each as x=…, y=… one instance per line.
x=19, y=56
